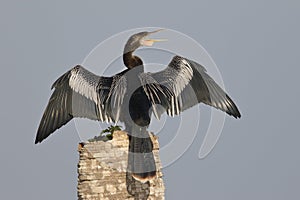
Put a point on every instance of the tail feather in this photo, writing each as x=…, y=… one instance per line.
x=141, y=161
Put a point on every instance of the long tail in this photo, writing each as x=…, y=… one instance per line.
x=141, y=161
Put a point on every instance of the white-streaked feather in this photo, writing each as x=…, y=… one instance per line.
x=175, y=78
x=92, y=87
x=189, y=84
x=117, y=93
x=84, y=83
x=151, y=88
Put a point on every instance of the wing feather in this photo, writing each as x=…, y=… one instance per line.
x=209, y=92
x=187, y=84
x=78, y=93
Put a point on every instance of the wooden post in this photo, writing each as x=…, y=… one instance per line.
x=102, y=171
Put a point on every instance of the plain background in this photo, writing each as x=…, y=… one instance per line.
x=254, y=43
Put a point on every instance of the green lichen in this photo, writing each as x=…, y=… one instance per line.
x=106, y=134
x=110, y=130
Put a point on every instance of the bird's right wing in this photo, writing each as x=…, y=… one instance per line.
x=164, y=88
x=188, y=84
x=80, y=93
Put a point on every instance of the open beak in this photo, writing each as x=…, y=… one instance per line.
x=149, y=42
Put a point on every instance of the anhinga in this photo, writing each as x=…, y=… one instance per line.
x=131, y=96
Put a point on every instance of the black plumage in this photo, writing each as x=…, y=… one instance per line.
x=129, y=96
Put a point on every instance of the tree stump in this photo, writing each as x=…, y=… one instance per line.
x=102, y=171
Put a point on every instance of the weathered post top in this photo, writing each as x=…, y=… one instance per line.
x=102, y=171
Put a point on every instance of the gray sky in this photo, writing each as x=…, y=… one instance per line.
x=255, y=45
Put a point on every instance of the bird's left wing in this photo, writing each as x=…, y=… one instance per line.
x=80, y=93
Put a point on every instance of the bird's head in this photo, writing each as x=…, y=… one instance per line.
x=140, y=39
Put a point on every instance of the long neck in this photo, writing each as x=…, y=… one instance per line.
x=131, y=60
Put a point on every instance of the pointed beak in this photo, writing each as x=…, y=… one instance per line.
x=151, y=32
x=149, y=42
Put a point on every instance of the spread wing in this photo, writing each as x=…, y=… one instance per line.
x=80, y=93
x=183, y=84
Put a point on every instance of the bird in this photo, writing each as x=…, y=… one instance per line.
x=132, y=96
